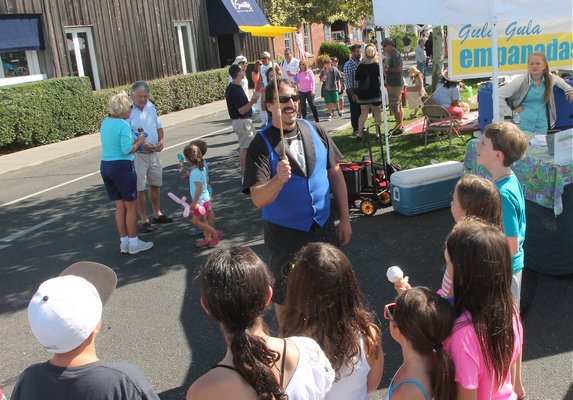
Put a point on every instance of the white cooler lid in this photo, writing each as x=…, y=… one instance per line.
x=428, y=173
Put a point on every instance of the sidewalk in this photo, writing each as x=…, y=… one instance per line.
x=69, y=148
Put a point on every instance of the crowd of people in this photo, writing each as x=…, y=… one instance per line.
x=462, y=341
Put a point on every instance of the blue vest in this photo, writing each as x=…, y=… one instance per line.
x=301, y=200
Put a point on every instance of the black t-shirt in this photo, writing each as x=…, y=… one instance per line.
x=368, y=81
x=258, y=166
x=95, y=381
x=236, y=98
x=407, y=40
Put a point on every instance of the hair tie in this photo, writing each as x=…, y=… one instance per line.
x=438, y=347
x=241, y=327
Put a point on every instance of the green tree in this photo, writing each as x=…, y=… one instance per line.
x=296, y=12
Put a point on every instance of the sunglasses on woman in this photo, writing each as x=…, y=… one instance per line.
x=286, y=99
x=389, y=312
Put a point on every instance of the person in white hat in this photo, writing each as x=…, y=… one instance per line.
x=267, y=64
x=65, y=317
x=241, y=61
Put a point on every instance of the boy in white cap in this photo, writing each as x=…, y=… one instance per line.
x=65, y=317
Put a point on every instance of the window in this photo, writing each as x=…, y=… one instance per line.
x=326, y=30
x=186, y=50
x=81, y=49
x=307, y=38
x=338, y=36
x=288, y=41
x=20, y=63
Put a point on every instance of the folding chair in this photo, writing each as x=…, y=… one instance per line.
x=438, y=120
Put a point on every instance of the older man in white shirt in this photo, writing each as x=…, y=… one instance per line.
x=290, y=65
x=241, y=61
x=147, y=163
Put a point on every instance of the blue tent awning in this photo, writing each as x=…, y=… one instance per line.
x=225, y=16
x=20, y=32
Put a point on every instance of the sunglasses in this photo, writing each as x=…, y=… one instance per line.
x=286, y=99
x=389, y=312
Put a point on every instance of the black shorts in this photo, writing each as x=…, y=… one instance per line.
x=283, y=244
x=119, y=179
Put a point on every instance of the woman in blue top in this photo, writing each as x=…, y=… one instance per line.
x=530, y=96
x=118, y=172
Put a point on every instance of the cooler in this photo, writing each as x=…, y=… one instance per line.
x=485, y=106
x=563, y=108
x=424, y=189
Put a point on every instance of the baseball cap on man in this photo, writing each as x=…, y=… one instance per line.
x=388, y=41
x=239, y=59
x=65, y=310
x=265, y=54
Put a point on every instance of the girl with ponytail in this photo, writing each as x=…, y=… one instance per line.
x=420, y=321
x=235, y=291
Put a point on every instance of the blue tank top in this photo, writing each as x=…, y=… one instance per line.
x=391, y=389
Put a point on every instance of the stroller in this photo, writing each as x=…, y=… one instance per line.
x=368, y=182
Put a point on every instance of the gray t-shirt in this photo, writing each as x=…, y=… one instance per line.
x=394, y=60
x=95, y=381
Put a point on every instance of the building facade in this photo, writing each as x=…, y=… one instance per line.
x=114, y=42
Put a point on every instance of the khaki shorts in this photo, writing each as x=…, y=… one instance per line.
x=245, y=131
x=148, y=169
x=395, y=97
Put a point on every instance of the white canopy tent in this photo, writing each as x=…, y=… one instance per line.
x=455, y=12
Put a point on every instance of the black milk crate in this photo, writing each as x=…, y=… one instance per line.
x=355, y=175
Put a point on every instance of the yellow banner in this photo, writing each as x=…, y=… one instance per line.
x=470, y=47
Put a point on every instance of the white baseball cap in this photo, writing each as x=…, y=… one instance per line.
x=65, y=310
x=265, y=54
x=239, y=59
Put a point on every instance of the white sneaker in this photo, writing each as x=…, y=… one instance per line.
x=124, y=248
x=141, y=246
x=330, y=117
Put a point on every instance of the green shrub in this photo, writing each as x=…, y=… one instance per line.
x=58, y=109
x=340, y=51
x=46, y=112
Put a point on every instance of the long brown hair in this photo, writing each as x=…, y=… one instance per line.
x=482, y=286
x=234, y=288
x=323, y=300
x=546, y=75
x=426, y=320
x=480, y=198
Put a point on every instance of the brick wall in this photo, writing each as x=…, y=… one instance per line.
x=317, y=38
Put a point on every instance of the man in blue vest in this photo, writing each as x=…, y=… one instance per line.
x=294, y=192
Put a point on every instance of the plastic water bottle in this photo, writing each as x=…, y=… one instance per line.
x=516, y=118
x=136, y=135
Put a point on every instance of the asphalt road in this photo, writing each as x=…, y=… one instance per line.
x=154, y=319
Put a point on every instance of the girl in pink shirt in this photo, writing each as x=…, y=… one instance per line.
x=487, y=336
x=306, y=86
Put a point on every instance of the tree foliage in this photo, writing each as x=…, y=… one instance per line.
x=297, y=12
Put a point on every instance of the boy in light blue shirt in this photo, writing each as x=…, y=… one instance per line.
x=503, y=144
